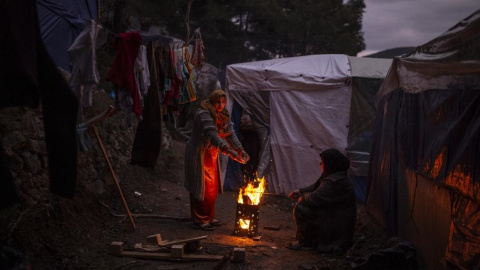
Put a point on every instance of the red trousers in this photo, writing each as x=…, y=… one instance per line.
x=204, y=211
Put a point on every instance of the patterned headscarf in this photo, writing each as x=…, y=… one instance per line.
x=221, y=119
x=333, y=161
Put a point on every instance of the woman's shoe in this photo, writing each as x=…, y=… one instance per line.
x=216, y=222
x=297, y=246
x=204, y=226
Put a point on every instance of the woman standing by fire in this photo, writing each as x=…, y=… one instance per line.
x=212, y=133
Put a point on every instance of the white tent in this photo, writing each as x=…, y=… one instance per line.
x=301, y=106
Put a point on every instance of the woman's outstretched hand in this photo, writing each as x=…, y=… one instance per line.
x=235, y=156
x=294, y=195
x=244, y=156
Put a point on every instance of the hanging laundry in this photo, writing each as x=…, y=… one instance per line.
x=167, y=70
x=142, y=71
x=83, y=55
x=153, y=66
x=178, y=78
x=198, y=56
x=177, y=60
x=121, y=71
x=148, y=136
x=188, y=92
x=124, y=102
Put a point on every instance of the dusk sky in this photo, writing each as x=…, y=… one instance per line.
x=391, y=24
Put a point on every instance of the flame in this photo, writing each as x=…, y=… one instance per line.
x=253, y=193
x=244, y=224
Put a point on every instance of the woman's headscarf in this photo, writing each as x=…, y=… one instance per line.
x=220, y=118
x=333, y=161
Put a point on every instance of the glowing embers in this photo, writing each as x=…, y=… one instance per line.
x=248, y=209
x=246, y=221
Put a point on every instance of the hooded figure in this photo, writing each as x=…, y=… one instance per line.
x=325, y=213
x=212, y=133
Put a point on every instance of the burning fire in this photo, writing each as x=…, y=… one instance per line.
x=252, y=193
x=246, y=221
x=244, y=224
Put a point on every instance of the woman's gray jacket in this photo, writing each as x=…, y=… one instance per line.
x=204, y=135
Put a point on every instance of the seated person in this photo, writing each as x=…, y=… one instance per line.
x=326, y=211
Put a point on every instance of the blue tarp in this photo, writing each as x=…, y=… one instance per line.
x=60, y=23
x=234, y=175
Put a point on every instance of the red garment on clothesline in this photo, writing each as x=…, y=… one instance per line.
x=121, y=71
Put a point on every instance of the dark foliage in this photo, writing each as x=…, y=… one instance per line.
x=249, y=30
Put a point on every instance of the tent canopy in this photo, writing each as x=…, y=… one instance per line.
x=302, y=105
x=60, y=23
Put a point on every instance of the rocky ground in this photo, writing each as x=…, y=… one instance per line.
x=56, y=233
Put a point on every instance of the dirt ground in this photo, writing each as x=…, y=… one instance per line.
x=77, y=234
x=166, y=196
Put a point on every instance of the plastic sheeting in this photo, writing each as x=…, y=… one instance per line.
x=360, y=132
x=428, y=126
x=60, y=24
x=367, y=76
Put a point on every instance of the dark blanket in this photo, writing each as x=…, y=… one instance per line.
x=148, y=136
x=28, y=77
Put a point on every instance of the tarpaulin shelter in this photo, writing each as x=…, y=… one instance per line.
x=424, y=176
x=60, y=23
x=30, y=78
x=303, y=105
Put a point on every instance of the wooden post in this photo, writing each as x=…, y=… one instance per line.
x=113, y=174
x=238, y=254
x=116, y=248
x=177, y=251
x=187, y=22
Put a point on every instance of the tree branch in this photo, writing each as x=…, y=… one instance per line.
x=187, y=22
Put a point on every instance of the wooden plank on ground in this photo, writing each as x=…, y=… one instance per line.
x=181, y=241
x=155, y=239
x=165, y=256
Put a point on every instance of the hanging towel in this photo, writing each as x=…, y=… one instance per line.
x=142, y=71
x=83, y=54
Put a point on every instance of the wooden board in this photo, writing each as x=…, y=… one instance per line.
x=180, y=241
x=164, y=256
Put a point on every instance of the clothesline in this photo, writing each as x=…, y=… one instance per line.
x=111, y=32
x=150, y=37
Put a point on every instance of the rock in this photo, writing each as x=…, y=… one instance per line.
x=32, y=163
x=14, y=139
x=16, y=163
x=9, y=124
x=36, y=146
